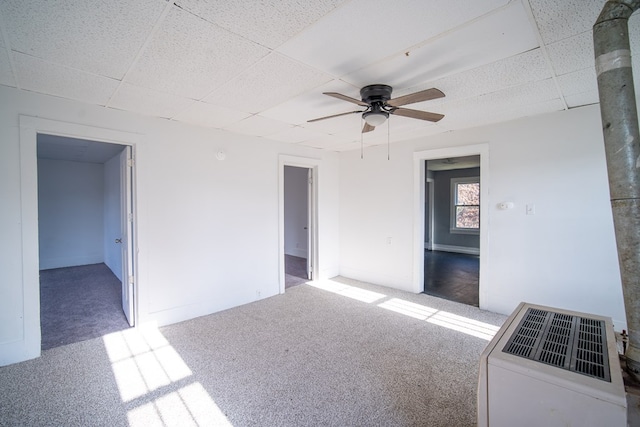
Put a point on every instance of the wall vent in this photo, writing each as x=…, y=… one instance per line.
x=574, y=343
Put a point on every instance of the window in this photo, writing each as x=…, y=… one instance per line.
x=465, y=205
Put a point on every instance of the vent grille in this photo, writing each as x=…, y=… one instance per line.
x=569, y=342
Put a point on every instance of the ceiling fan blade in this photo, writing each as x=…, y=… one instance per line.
x=423, y=95
x=367, y=128
x=330, y=117
x=415, y=114
x=346, y=98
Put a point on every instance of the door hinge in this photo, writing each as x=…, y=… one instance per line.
x=131, y=280
x=130, y=216
x=131, y=162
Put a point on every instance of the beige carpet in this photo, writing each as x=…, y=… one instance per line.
x=339, y=353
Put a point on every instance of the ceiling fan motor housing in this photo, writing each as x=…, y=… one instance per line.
x=376, y=93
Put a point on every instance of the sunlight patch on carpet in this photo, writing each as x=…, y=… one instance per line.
x=431, y=315
x=407, y=308
x=347, y=291
x=144, y=362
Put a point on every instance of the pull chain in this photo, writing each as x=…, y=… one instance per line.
x=388, y=133
x=361, y=140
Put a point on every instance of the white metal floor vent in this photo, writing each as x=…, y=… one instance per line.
x=569, y=342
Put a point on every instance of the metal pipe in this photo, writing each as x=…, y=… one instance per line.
x=622, y=148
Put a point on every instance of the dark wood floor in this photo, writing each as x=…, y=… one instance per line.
x=452, y=276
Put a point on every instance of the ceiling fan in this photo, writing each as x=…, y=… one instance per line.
x=378, y=105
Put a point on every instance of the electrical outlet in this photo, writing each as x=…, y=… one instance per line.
x=258, y=294
x=389, y=240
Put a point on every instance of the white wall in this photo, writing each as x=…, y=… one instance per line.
x=563, y=256
x=295, y=211
x=70, y=211
x=112, y=215
x=200, y=221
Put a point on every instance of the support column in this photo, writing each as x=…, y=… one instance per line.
x=622, y=147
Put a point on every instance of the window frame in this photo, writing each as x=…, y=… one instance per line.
x=453, y=205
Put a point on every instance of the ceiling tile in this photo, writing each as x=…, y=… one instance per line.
x=297, y=134
x=270, y=82
x=366, y=31
x=514, y=71
x=258, y=126
x=190, y=57
x=203, y=114
x=558, y=20
x=572, y=54
x=491, y=104
x=584, y=98
x=101, y=37
x=578, y=82
x=148, y=101
x=53, y=79
x=475, y=118
x=267, y=23
x=297, y=110
x=6, y=73
x=501, y=34
x=527, y=110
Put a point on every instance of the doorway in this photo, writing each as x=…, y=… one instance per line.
x=298, y=238
x=452, y=211
x=307, y=172
x=85, y=233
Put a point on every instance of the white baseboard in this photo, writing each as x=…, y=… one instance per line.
x=301, y=253
x=457, y=249
x=71, y=261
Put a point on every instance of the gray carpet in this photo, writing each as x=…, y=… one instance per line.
x=295, y=271
x=79, y=303
x=340, y=353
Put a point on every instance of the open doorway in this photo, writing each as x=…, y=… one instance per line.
x=85, y=229
x=298, y=238
x=452, y=228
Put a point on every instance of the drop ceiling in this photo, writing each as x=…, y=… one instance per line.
x=259, y=68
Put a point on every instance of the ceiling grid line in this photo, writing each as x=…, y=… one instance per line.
x=545, y=53
x=143, y=47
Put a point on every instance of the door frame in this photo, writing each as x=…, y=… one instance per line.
x=30, y=127
x=419, y=176
x=429, y=185
x=312, y=257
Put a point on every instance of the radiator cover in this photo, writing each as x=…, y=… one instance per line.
x=575, y=343
x=551, y=367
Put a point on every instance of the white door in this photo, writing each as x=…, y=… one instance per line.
x=310, y=224
x=126, y=194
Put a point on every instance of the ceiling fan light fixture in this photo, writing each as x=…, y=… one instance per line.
x=375, y=118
